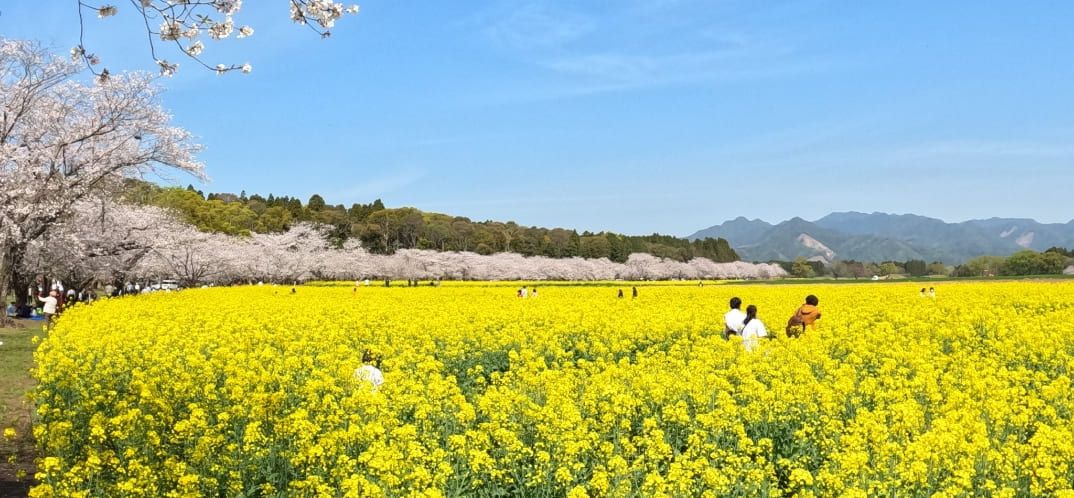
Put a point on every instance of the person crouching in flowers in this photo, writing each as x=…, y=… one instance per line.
x=805, y=316
x=752, y=329
x=370, y=370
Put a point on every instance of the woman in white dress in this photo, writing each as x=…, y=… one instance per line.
x=753, y=330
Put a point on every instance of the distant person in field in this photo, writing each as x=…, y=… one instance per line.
x=620, y=296
x=11, y=311
x=633, y=292
x=805, y=317
x=752, y=329
x=533, y=293
x=370, y=370
x=932, y=292
x=922, y=292
x=734, y=319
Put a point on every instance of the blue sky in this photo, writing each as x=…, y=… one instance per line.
x=663, y=115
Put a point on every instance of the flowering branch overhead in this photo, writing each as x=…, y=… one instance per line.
x=184, y=23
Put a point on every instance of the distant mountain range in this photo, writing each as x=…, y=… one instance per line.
x=887, y=237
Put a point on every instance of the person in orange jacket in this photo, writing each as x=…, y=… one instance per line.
x=806, y=316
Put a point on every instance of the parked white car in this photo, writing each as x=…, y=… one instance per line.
x=164, y=285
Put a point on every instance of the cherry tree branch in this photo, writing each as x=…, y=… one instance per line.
x=185, y=23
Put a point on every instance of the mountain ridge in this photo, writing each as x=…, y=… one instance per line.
x=879, y=236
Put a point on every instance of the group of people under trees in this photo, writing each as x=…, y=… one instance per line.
x=45, y=302
x=751, y=329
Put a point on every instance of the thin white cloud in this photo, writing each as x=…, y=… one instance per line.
x=997, y=149
x=722, y=64
x=630, y=46
x=535, y=25
x=905, y=162
x=378, y=187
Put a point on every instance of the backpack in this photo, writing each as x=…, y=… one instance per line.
x=796, y=325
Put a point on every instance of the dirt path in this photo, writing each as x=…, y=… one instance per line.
x=17, y=455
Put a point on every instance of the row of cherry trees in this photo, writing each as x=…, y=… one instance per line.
x=115, y=242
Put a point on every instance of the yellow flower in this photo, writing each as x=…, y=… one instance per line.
x=237, y=390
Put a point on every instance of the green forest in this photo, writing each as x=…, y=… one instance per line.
x=384, y=230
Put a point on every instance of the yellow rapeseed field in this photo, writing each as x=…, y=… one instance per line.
x=251, y=392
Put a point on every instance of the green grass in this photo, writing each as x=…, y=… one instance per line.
x=16, y=359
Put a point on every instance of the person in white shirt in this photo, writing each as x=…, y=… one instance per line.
x=752, y=329
x=49, y=307
x=370, y=371
x=733, y=320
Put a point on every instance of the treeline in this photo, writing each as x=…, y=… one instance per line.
x=802, y=268
x=1050, y=262
x=383, y=230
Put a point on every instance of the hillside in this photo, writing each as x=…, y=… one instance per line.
x=384, y=230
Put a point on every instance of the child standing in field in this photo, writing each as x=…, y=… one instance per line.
x=49, y=305
x=752, y=329
x=806, y=316
x=370, y=370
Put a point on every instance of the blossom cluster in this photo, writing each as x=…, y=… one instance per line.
x=250, y=391
x=183, y=23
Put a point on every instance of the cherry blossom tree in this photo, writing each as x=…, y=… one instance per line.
x=194, y=258
x=182, y=25
x=298, y=254
x=102, y=242
x=62, y=142
x=416, y=263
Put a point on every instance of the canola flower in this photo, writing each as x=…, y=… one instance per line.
x=251, y=392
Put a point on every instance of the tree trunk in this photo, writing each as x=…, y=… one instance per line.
x=12, y=283
x=5, y=279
